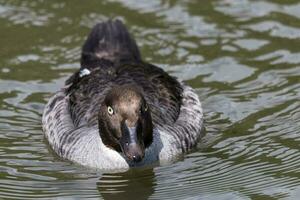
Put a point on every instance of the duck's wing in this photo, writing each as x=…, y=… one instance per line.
x=57, y=123
x=188, y=128
x=86, y=95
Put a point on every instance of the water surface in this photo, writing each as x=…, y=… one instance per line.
x=242, y=57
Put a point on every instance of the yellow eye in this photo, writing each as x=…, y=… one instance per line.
x=110, y=110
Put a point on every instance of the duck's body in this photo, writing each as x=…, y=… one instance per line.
x=111, y=62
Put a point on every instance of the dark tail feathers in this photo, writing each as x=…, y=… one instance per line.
x=110, y=41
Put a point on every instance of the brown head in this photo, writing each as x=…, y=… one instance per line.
x=125, y=122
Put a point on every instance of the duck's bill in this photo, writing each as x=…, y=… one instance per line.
x=132, y=148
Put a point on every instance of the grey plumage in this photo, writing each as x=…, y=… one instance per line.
x=70, y=119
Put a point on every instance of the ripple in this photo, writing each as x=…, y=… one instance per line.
x=245, y=10
x=224, y=70
x=250, y=44
x=281, y=57
x=276, y=29
x=242, y=58
x=24, y=15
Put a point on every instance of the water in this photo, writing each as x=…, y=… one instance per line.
x=242, y=57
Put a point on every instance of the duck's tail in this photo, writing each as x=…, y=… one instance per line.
x=109, y=41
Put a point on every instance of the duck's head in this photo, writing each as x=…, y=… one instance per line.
x=125, y=122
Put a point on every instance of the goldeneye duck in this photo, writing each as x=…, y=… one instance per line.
x=118, y=111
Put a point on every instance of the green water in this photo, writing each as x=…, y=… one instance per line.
x=241, y=56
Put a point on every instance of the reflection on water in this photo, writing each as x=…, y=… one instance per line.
x=242, y=57
x=137, y=183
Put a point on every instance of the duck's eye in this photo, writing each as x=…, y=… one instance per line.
x=110, y=110
x=144, y=109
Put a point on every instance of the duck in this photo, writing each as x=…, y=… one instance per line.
x=117, y=111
